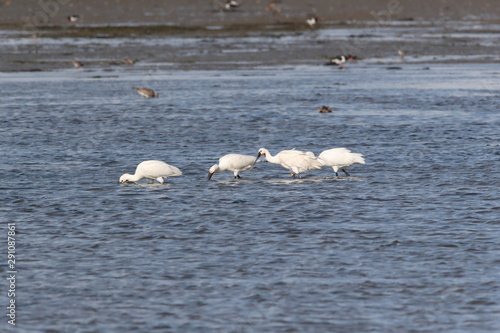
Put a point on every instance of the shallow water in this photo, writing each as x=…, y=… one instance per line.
x=374, y=42
x=408, y=243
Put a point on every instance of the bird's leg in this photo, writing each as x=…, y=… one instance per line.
x=237, y=177
x=151, y=181
x=336, y=174
x=343, y=170
x=292, y=175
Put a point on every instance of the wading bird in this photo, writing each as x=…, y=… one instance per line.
x=339, y=159
x=151, y=170
x=296, y=161
x=234, y=163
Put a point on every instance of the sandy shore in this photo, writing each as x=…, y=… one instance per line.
x=31, y=23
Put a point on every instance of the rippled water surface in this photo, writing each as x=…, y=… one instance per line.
x=409, y=243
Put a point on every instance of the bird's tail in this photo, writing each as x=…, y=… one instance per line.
x=321, y=161
x=359, y=159
x=310, y=154
x=316, y=163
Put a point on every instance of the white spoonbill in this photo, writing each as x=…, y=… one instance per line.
x=234, y=163
x=151, y=170
x=294, y=160
x=339, y=159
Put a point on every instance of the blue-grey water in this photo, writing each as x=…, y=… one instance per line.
x=409, y=243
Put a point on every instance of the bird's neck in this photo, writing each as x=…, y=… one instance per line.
x=272, y=159
x=134, y=178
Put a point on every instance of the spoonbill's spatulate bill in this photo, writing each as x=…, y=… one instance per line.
x=234, y=163
x=339, y=159
x=296, y=161
x=151, y=170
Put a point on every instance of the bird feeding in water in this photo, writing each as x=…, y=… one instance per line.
x=339, y=159
x=146, y=92
x=234, y=163
x=151, y=170
x=296, y=161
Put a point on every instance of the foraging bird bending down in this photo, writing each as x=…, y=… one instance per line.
x=234, y=163
x=151, y=170
x=294, y=160
x=146, y=92
x=339, y=159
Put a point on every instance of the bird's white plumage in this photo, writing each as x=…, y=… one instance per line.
x=151, y=170
x=294, y=160
x=311, y=21
x=340, y=158
x=234, y=163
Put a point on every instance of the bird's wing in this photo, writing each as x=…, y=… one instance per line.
x=240, y=162
x=340, y=157
x=299, y=159
x=173, y=171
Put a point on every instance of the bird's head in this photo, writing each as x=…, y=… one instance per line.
x=212, y=170
x=125, y=178
x=262, y=152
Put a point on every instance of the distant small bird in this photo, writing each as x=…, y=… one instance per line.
x=325, y=109
x=338, y=60
x=146, y=92
x=231, y=4
x=73, y=18
x=129, y=61
x=402, y=54
x=274, y=8
x=77, y=64
x=312, y=21
x=234, y=163
x=152, y=170
x=340, y=158
x=341, y=60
